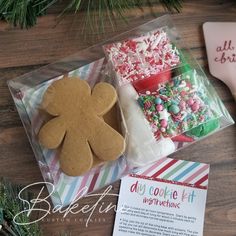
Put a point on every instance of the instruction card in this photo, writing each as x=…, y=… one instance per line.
x=169, y=200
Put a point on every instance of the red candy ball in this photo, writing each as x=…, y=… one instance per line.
x=159, y=107
x=190, y=102
x=195, y=106
x=164, y=123
x=182, y=105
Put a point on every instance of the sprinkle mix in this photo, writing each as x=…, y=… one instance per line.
x=177, y=106
x=141, y=57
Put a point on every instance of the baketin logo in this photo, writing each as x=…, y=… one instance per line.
x=42, y=207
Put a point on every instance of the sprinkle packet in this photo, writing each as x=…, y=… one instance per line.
x=177, y=106
x=137, y=58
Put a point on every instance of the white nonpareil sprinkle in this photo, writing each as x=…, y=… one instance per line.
x=141, y=57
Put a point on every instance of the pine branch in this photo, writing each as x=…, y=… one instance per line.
x=24, y=13
x=10, y=205
x=172, y=5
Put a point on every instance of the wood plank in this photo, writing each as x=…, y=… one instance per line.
x=45, y=43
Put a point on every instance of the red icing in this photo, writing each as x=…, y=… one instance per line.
x=182, y=138
x=151, y=83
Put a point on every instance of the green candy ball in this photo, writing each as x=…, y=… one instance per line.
x=174, y=109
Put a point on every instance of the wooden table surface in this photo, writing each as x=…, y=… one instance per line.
x=22, y=51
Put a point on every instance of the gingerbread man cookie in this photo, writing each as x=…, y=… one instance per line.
x=78, y=124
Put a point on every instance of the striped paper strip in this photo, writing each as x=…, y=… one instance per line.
x=193, y=173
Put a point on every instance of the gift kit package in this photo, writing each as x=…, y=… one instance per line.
x=126, y=103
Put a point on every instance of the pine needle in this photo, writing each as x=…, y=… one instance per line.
x=24, y=13
x=99, y=10
x=10, y=205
